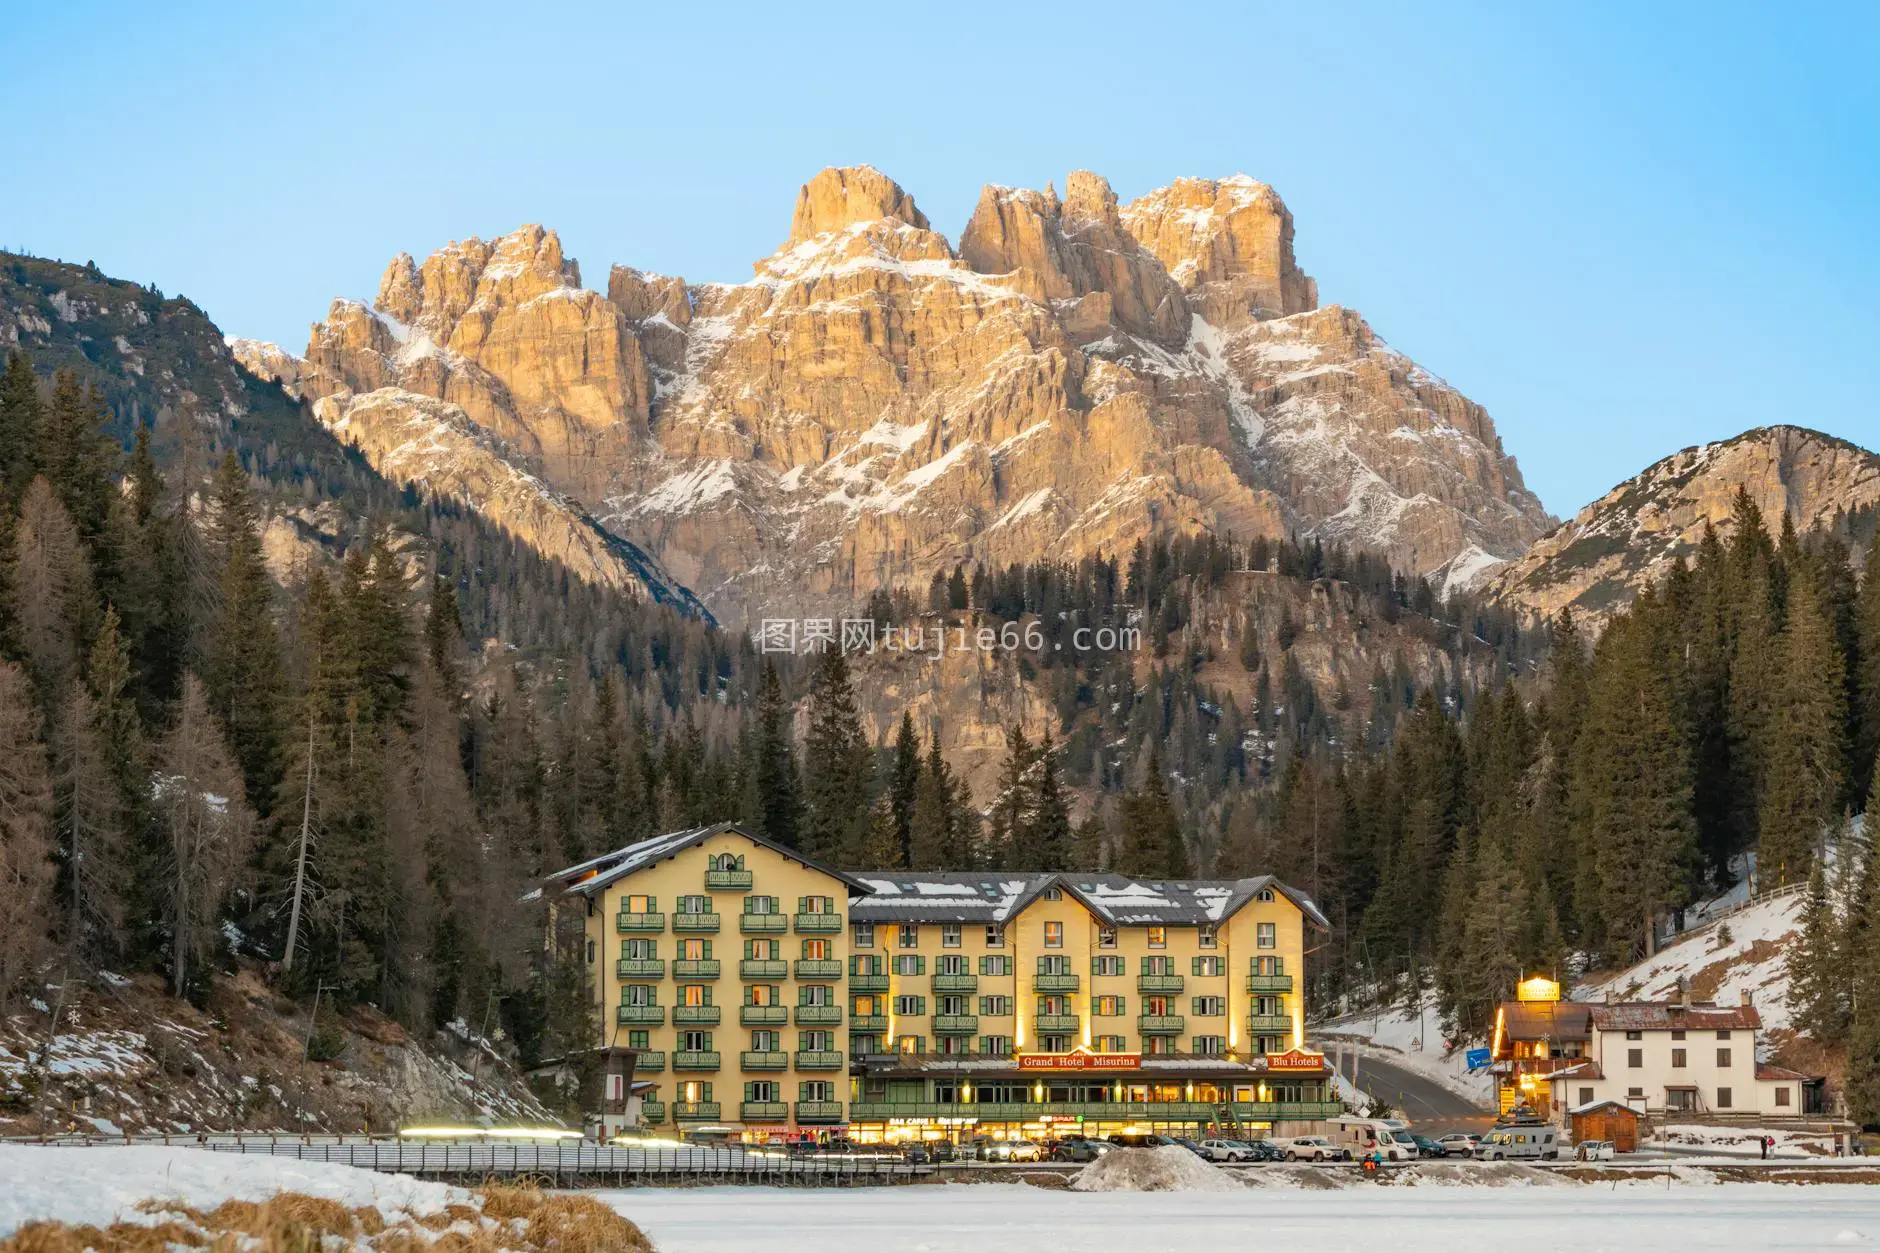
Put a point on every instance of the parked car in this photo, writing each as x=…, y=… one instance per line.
x=916, y=1155
x=1224, y=1150
x=1458, y=1144
x=1193, y=1146
x=944, y=1151
x=1314, y=1149
x=1525, y=1141
x=1079, y=1149
x=1594, y=1150
x=1262, y=1150
x=1139, y=1140
x=1426, y=1147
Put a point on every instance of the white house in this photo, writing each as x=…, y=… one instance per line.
x=1683, y=1056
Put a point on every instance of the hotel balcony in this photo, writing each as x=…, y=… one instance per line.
x=818, y=1111
x=695, y=968
x=868, y=983
x=820, y=1059
x=1159, y=983
x=728, y=880
x=763, y=924
x=763, y=1015
x=696, y=1111
x=639, y=968
x=648, y=1063
x=750, y=1060
x=686, y=1059
x=639, y=922
x=640, y=1015
x=1054, y=983
x=818, y=1015
x=1160, y=1024
x=695, y=922
x=818, y=968
x=1270, y=983
x=818, y=924
x=1057, y=1024
x=956, y=983
x=763, y=1111
x=956, y=1024
x=763, y=968
x=1269, y=1024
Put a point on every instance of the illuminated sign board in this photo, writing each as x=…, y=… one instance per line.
x=1537, y=989
x=1080, y=1061
x=1295, y=1059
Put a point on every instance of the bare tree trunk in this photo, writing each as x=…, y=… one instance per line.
x=300, y=858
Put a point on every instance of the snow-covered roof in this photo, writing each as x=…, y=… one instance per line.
x=998, y=896
x=597, y=872
x=1673, y=1016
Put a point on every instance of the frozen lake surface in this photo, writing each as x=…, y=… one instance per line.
x=992, y=1218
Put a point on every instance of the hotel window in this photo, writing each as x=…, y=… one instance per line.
x=995, y=935
x=1782, y=1096
x=1106, y=965
x=695, y=904
x=695, y=1041
x=1107, y=1006
x=1269, y=1005
x=640, y=950
x=954, y=1005
x=1723, y=1098
x=1205, y=935
x=949, y=935
x=1106, y=937
x=1210, y=1006
x=864, y=934
x=995, y=964
x=761, y=950
x=762, y=994
x=1266, y=935
x=1264, y=894
x=760, y=904
x=1110, y=1044
x=1158, y=1044
x=1158, y=965
x=816, y=1090
x=1156, y=1006
x=641, y=904
x=763, y=1041
x=815, y=1041
x=1210, y=1045
x=910, y=1044
x=816, y=905
x=995, y=1006
x=1723, y=1059
x=696, y=1089
x=910, y=964
x=1635, y=1058
x=910, y=1006
x=815, y=950
x=695, y=994
x=1158, y=937
x=954, y=1046
x=695, y=950
x=815, y=994
x=951, y=964
x=639, y=994
x=909, y=935
x=995, y=1045
x=1054, y=935
x=638, y=1040
x=1054, y=1006
x=1054, y=894
x=761, y=1090
x=865, y=1006
x=1677, y=1059
x=727, y=861
x=1054, y=1043
x=1269, y=965
x=1054, y=965
x=1207, y=967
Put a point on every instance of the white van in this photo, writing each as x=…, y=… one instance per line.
x=1367, y=1135
x=1530, y=1141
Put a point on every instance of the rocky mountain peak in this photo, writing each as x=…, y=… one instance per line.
x=1229, y=243
x=842, y=196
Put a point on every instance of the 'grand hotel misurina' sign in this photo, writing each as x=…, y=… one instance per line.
x=1291, y=1059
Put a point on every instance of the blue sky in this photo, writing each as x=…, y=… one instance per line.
x=1624, y=229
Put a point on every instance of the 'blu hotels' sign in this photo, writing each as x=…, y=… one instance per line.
x=1080, y=1061
x=1295, y=1059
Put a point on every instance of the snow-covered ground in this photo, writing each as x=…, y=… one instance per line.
x=991, y=1218
x=101, y=1185
x=1413, y=1041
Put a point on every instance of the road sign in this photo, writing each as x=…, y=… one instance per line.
x=1476, y=1058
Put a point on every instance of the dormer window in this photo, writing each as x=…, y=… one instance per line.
x=1264, y=894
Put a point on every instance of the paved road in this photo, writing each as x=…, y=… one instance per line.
x=1428, y=1104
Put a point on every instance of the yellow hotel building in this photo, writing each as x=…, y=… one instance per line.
x=773, y=997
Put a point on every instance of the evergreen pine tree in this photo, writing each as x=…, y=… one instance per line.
x=837, y=765
x=1051, y=844
x=1151, y=846
x=21, y=415
x=244, y=680
x=1008, y=820
x=778, y=787
x=1806, y=748
x=903, y=786
x=207, y=825
x=27, y=873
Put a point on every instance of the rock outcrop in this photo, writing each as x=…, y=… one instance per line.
x=871, y=405
x=1630, y=537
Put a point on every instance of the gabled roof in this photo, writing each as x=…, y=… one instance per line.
x=1609, y=1103
x=598, y=872
x=1672, y=1016
x=1769, y=1070
x=1544, y=1020
x=998, y=896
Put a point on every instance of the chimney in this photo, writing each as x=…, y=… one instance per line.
x=1684, y=991
x=1748, y=998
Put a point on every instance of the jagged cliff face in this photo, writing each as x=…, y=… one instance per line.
x=875, y=404
x=1630, y=537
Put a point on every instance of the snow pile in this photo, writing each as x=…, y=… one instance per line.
x=1742, y=951
x=103, y=1185
x=1742, y=1141
x=1169, y=1168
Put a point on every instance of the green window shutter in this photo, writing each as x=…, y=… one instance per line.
x=1122, y=1006
x=985, y=964
x=1044, y=965
x=708, y=950
x=747, y=1091
x=1194, y=966
x=706, y=1091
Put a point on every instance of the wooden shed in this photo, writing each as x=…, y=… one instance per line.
x=1606, y=1120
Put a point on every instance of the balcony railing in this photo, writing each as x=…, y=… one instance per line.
x=1057, y=1023
x=763, y=1111
x=1269, y=1024
x=639, y=922
x=687, y=1059
x=695, y=922
x=868, y=983
x=818, y=1015
x=1160, y=1024
x=653, y=1111
x=956, y=983
x=763, y=1015
x=818, y=924
x=728, y=880
x=763, y=924
x=956, y=1024
x=1054, y=983
x=753, y=1060
x=820, y=1059
x=868, y=1022
x=696, y=1111
x=1097, y=1111
x=818, y=968
x=818, y=1111
x=648, y=1062
x=763, y=968
x=640, y=1015
x=639, y=968
x=1159, y=983
x=695, y=968
x=697, y=1015
x=1269, y=983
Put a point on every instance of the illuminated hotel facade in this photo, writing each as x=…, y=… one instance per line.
x=898, y=1005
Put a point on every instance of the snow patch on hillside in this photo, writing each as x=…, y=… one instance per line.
x=1415, y=1041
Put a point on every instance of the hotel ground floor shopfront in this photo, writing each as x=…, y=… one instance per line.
x=903, y=1099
